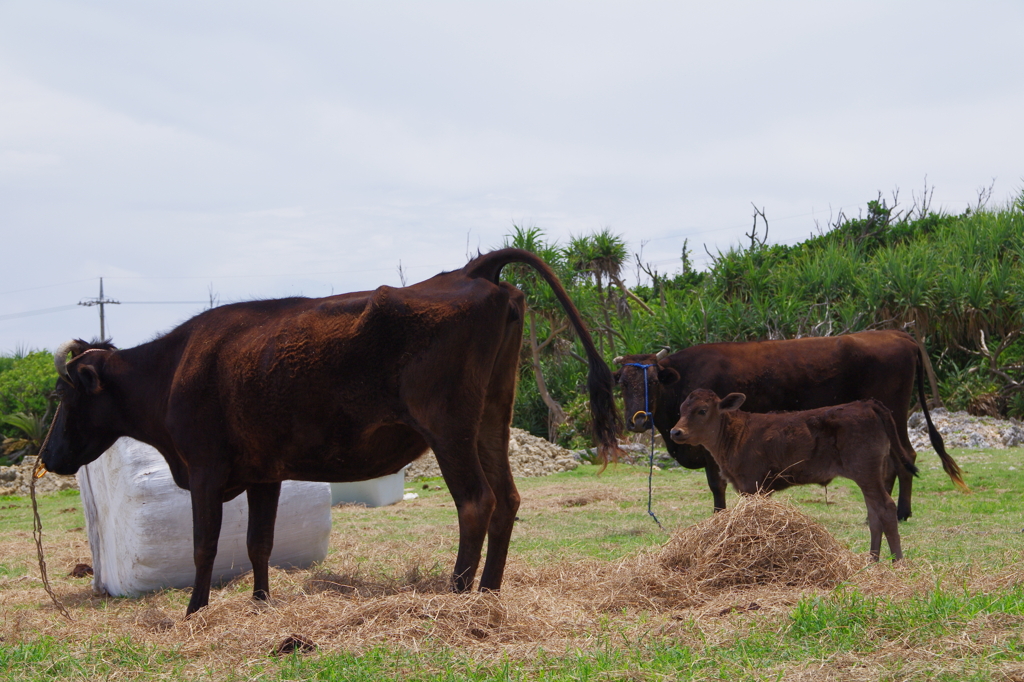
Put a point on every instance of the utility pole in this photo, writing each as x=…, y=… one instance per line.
x=101, y=301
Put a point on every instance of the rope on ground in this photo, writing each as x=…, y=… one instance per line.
x=37, y=531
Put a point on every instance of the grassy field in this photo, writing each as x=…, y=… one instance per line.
x=584, y=599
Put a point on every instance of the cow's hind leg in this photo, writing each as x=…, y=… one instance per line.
x=259, y=538
x=493, y=452
x=906, y=479
x=474, y=501
x=492, y=449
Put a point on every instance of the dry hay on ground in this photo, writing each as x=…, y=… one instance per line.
x=395, y=595
x=760, y=541
x=555, y=607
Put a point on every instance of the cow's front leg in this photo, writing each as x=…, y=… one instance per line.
x=207, y=496
x=716, y=482
x=259, y=538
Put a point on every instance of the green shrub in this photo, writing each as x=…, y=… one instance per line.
x=26, y=387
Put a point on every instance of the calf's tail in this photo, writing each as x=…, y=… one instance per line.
x=949, y=465
x=606, y=421
x=899, y=454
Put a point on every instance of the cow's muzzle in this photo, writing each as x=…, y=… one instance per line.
x=678, y=435
x=641, y=421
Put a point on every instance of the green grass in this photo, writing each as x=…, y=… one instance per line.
x=948, y=630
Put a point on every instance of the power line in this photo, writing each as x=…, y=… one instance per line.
x=282, y=274
x=46, y=286
x=42, y=311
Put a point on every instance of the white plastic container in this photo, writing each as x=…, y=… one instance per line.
x=140, y=524
x=376, y=492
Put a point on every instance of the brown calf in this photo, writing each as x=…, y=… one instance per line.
x=768, y=452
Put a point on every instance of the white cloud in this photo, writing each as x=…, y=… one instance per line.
x=272, y=149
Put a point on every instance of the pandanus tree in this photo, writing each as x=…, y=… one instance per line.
x=602, y=256
x=32, y=431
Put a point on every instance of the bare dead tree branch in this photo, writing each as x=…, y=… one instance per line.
x=984, y=195
x=755, y=242
x=922, y=206
x=1010, y=385
x=714, y=261
x=552, y=336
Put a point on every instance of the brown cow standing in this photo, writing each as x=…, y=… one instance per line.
x=769, y=452
x=345, y=388
x=794, y=374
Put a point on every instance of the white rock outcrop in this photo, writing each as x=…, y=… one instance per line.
x=528, y=455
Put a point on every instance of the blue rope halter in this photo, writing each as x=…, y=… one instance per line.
x=650, y=419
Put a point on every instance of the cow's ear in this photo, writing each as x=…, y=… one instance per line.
x=89, y=379
x=731, y=402
x=617, y=376
x=667, y=375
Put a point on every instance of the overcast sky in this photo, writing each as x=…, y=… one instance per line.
x=271, y=149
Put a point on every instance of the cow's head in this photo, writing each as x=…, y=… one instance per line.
x=634, y=379
x=87, y=421
x=700, y=416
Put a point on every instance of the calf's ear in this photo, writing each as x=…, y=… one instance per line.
x=667, y=375
x=731, y=402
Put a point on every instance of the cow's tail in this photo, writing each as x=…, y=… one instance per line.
x=606, y=422
x=900, y=456
x=949, y=465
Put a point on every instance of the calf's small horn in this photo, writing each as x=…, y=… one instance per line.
x=618, y=360
x=662, y=354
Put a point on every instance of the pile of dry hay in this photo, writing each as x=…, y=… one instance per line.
x=760, y=541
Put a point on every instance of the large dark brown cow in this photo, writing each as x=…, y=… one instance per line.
x=769, y=452
x=796, y=374
x=345, y=388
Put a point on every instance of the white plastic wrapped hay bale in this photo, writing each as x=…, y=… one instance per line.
x=140, y=524
x=376, y=492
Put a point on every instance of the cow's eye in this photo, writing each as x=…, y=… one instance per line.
x=702, y=412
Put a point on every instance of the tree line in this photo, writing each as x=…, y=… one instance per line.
x=954, y=281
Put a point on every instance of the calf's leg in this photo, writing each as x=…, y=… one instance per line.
x=259, y=537
x=881, y=519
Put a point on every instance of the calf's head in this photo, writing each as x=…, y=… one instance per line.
x=700, y=416
x=641, y=377
x=87, y=420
